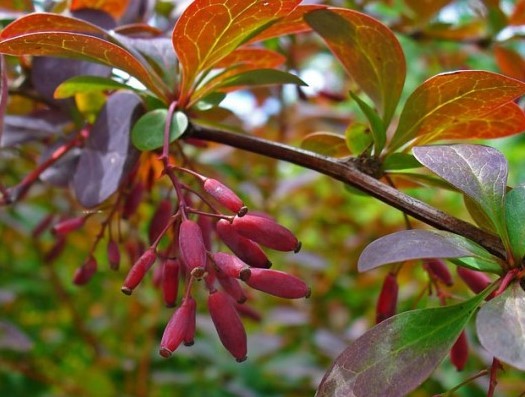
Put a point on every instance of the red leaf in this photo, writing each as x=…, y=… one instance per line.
x=456, y=104
x=518, y=15
x=43, y=22
x=206, y=33
x=115, y=8
x=291, y=24
x=510, y=62
x=241, y=60
x=425, y=9
x=368, y=50
x=42, y=34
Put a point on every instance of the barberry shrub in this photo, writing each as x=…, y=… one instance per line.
x=118, y=109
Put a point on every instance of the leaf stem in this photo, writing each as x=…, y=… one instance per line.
x=348, y=173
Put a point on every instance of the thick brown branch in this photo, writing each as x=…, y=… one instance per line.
x=348, y=173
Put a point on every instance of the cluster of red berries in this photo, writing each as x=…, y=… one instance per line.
x=189, y=257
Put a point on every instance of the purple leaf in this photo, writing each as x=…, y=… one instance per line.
x=500, y=324
x=478, y=171
x=61, y=173
x=424, y=244
x=398, y=354
x=108, y=155
x=20, y=129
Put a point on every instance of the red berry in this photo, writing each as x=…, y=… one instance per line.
x=69, y=225
x=438, y=268
x=159, y=220
x=387, y=302
x=476, y=281
x=139, y=270
x=459, y=352
x=266, y=232
x=133, y=200
x=228, y=324
x=113, y=253
x=206, y=225
x=177, y=327
x=225, y=196
x=191, y=245
x=232, y=266
x=85, y=272
x=170, y=281
x=277, y=283
x=231, y=286
x=247, y=250
x=189, y=335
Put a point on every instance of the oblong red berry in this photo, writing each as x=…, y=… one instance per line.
x=248, y=312
x=387, y=301
x=189, y=335
x=439, y=270
x=170, y=282
x=191, y=245
x=232, y=266
x=266, y=232
x=225, y=196
x=113, y=254
x=231, y=286
x=159, y=220
x=247, y=250
x=133, y=200
x=459, y=352
x=85, y=272
x=476, y=281
x=177, y=327
x=277, y=283
x=206, y=225
x=139, y=270
x=68, y=225
x=228, y=324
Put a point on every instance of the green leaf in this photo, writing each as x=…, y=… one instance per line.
x=83, y=84
x=397, y=355
x=210, y=101
x=515, y=216
x=326, y=143
x=400, y=161
x=500, y=324
x=423, y=244
x=376, y=124
x=368, y=50
x=261, y=77
x=358, y=138
x=478, y=171
x=148, y=131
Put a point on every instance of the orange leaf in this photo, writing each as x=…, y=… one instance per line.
x=115, y=8
x=44, y=22
x=510, y=62
x=461, y=102
x=326, y=143
x=518, y=15
x=84, y=47
x=208, y=31
x=425, y=9
x=506, y=120
x=368, y=50
x=17, y=5
x=241, y=60
x=291, y=24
